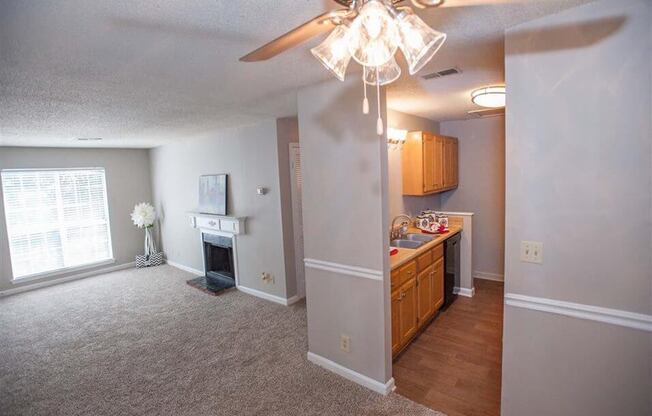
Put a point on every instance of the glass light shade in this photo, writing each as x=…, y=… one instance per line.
x=419, y=42
x=333, y=52
x=387, y=73
x=492, y=97
x=374, y=36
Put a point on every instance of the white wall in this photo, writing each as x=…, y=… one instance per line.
x=481, y=189
x=249, y=155
x=345, y=220
x=399, y=204
x=127, y=181
x=579, y=179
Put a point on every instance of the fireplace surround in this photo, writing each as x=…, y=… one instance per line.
x=218, y=235
x=218, y=260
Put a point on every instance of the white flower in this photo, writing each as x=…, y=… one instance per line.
x=143, y=215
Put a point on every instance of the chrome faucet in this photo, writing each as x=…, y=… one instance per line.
x=402, y=230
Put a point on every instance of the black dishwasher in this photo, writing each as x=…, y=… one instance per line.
x=451, y=268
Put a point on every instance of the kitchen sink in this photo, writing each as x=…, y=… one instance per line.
x=419, y=237
x=406, y=243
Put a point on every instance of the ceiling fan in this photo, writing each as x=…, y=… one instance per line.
x=370, y=32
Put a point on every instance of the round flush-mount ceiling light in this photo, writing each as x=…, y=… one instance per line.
x=492, y=97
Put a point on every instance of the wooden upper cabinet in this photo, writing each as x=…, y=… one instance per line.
x=428, y=163
x=427, y=159
x=450, y=162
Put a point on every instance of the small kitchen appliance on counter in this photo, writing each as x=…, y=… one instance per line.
x=432, y=222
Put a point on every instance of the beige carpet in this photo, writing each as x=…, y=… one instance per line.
x=142, y=342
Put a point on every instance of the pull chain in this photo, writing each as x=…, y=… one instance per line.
x=365, y=102
x=379, y=122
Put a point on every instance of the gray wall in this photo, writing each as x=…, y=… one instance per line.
x=287, y=131
x=249, y=154
x=481, y=188
x=345, y=210
x=399, y=204
x=578, y=179
x=127, y=181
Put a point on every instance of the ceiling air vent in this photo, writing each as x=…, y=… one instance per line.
x=442, y=73
x=490, y=112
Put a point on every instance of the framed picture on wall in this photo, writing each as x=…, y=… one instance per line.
x=212, y=194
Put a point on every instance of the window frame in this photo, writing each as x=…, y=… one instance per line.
x=62, y=270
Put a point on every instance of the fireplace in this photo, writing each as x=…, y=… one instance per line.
x=218, y=262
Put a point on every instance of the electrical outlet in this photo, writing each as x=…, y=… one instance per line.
x=532, y=252
x=267, y=278
x=345, y=343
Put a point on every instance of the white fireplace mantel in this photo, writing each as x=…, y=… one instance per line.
x=218, y=223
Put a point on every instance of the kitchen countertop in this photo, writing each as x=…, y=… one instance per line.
x=404, y=255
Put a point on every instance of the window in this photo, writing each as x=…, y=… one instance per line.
x=56, y=219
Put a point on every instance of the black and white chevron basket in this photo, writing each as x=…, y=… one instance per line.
x=155, y=259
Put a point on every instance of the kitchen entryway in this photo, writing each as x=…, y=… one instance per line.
x=454, y=366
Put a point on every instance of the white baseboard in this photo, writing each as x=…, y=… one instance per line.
x=582, y=311
x=60, y=280
x=185, y=268
x=347, y=373
x=294, y=299
x=267, y=296
x=488, y=276
x=462, y=291
x=247, y=290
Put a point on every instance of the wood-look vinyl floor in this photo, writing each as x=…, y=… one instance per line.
x=454, y=366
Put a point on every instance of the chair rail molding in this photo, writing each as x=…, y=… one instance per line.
x=582, y=311
x=344, y=269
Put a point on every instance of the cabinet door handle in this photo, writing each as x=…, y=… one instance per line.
x=211, y=222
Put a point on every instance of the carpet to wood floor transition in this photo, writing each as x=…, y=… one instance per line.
x=143, y=342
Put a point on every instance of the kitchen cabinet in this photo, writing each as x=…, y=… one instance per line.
x=425, y=295
x=450, y=151
x=437, y=299
x=396, y=322
x=417, y=293
x=429, y=163
x=407, y=311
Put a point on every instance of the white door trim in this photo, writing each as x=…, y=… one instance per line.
x=582, y=311
x=297, y=220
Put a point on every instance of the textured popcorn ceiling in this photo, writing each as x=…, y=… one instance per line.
x=143, y=73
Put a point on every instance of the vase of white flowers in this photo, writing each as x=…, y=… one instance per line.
x=144, y=216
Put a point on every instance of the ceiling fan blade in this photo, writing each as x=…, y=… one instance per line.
x=459, y=3
x=320, y=24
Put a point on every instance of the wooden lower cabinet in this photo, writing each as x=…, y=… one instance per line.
x=438, y=284
x=408, y=310
x=396, y=322
x=425, y=305
x=417, y=294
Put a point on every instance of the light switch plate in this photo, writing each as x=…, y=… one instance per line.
x=532, y=252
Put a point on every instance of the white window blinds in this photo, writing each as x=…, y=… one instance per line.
x=56, y=219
